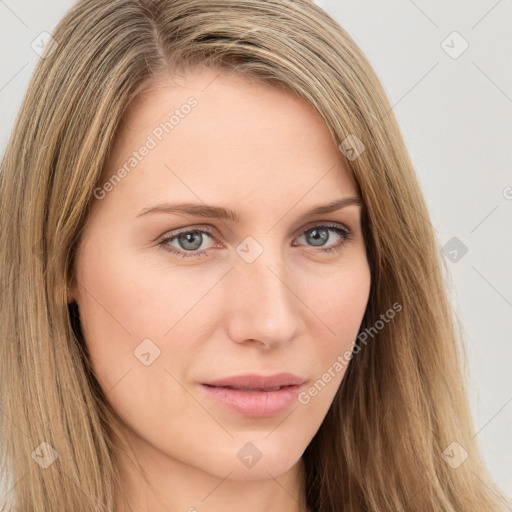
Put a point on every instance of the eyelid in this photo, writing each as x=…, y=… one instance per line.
x=187, y=229
x=324, y=223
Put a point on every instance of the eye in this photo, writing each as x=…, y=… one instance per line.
x=319, y=235
x=190, y=240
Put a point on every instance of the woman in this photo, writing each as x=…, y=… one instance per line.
x=221, y=287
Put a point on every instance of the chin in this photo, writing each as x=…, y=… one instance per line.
x=258, y=460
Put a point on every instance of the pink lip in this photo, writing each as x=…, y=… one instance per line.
x=260, y=399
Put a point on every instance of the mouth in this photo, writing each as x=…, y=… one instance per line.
x=255, y=396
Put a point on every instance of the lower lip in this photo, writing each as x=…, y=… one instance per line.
x=255, y=404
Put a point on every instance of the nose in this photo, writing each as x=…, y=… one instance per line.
x=262, y=307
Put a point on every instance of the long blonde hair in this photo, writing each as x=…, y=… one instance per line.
x=402, y=401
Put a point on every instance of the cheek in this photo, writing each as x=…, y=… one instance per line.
x=136, y=322
x=338, y=305
x=338, y=301
x=126, y=300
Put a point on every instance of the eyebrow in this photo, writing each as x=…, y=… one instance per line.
x=219, y=212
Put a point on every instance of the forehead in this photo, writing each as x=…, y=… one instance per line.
x=229, y=102
x=240, y=136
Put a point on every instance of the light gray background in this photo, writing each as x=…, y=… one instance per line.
x=456, y=118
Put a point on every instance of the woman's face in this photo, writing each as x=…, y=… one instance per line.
x=170, y=299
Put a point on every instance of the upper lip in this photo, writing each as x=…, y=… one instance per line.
x=254, y=381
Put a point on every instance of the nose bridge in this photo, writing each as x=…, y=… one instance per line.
x=262, y=306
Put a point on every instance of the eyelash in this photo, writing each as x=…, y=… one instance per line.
x=344, y=233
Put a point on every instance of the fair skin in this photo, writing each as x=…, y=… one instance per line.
x=267, y=155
